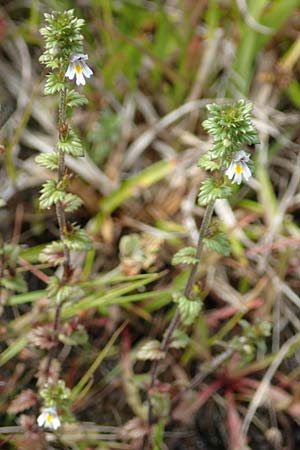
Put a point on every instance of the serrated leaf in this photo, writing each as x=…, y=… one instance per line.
x=185, y=255
x=206, y=163
x=210, y=191
x=53, y=84
x=53, y=253
x=71, y=202
x=50, y=194
x=77, y=240
x=179, y=339
x=67, y=292
x=48, y=160
x=189, y=309
x=218, y=243
x=62, y=292
x=74, y=99
x=71, y=145
x=150, y=351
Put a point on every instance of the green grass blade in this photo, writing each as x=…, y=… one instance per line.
x=102, y=355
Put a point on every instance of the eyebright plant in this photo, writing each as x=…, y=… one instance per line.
x=231, y=129
x=65, y=59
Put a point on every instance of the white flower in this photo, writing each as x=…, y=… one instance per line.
x=49, y=418
x=238, y=169
x=78, y=67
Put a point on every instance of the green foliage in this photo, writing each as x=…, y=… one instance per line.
x=76, y=239
x=186, y=255
x=74, y=99
x=71, y=202
x=207, y=162
x=189, y=309
x=48, y=160
x=211, y=190
x=70, y=144
x=53, y=253
x=50, y=194
x=57, y=395
x=218, y=243
x=150, y=351
x=62, y=292
x=230, y=125
x=54, y=84
x=179, y=339
x=62, y=34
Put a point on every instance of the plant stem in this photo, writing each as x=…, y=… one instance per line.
x=187, y=293
x=62, y=223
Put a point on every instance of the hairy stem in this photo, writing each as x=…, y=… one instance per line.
x=62, y=223
x=175, y=322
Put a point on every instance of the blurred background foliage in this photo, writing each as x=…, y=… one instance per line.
x=156, y=65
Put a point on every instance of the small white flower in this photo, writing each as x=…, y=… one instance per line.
x=238, y=169
x=78, y=67
x=49, y=419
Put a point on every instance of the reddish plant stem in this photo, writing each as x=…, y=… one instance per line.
x=175, y=322
x=62, y=223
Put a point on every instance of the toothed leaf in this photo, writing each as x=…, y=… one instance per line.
x=185, y=256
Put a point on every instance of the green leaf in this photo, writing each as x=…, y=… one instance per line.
x=71, y=144
x=48, y=160
x=206, y=162
x=50, y=194
x=150, y=351
x=53, y=84
x=53, y=253
x=186, y=255
x=179, y=339
x=211, y=191
x=71, y=202
x=218, y=243
x=74, y=99
x=189, y=309
x=77, y=240
x=62, y=292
